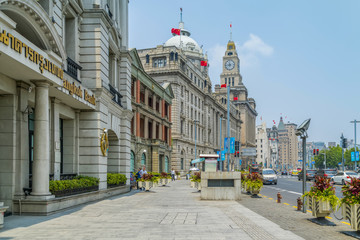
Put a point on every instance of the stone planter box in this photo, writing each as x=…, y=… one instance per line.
x=254, y=191
x=319, y=208
x=147, y=185
x=69, y=192
x=352, y=213
x=198, y=186
x=164, y=181
x=2, y=212
x=192, y=184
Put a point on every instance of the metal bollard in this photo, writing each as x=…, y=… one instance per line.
x=279, y=197
x=299, y=204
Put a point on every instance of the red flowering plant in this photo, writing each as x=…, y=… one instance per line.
x=165, y=175
x=351, y=191
x=323, y=190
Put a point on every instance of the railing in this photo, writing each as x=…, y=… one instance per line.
x=72, y=69
x=116, y=95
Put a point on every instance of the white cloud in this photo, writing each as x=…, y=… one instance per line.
x=250, y=53
x=256, y=45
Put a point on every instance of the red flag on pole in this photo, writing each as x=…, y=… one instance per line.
x=223, y=85
x=230, y=25
x=203, y=63
x=236, y=98
x=175, y=31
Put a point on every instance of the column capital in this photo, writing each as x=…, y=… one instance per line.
x=22, y=84
x=41, y=83
x=55, y=100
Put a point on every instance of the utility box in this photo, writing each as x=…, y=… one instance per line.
x=2, y=213
x=220, y=185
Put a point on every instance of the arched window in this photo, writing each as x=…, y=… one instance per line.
x=172, y=56
x=166, y=164
x=147, y=58
x=143, y=160
x=176, y=56
x=132, y=161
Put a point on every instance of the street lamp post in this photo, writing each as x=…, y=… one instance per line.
x=220, y=141
x=355, y=122
x=301, y=131
x=195, y=121
x=228, y=127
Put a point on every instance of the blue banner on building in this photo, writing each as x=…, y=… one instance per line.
x=222, y=156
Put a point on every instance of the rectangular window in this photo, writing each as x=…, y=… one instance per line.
x=191, y=76
x=157, y=130
x=225, y=80
x=182, y=164
x=159, y=62
x=233, y=81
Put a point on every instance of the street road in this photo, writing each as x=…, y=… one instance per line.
x=290, y=189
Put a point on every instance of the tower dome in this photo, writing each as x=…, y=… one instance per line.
x=184, y=41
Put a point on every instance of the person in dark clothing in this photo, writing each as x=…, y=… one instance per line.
x=138, y=176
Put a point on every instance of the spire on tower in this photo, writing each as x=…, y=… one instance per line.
x=180, y=14
x=230, y=31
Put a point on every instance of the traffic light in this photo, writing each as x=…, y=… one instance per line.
x=344, y=143
x=237, y=145
x=238, y=154
x=317, y=152
x=314, y=152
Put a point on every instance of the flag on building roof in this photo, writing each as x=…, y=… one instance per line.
x=236, y=98
x=175, y=31
x=223, y=85
x=203, y=63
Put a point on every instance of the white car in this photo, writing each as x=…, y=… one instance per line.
x=269, y=176
x=342, y=177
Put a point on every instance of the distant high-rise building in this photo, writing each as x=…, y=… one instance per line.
x=273, y=143
x=288, y=145
x=262, y=146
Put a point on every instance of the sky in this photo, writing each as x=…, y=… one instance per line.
x=298, y=59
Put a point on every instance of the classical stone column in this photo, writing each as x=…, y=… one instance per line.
x=40, y=180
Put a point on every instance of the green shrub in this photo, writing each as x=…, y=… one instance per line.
x=77, y=182
x=116, y=178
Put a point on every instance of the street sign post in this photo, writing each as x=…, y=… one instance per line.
x=222, y=155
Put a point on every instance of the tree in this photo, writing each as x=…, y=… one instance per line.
x=333, y=157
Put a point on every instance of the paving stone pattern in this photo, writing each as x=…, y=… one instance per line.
x=174, y=212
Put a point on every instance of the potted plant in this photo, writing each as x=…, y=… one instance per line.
x=255, y=183
x=350, y=203
x=164, y=178
x=145, y=182
x=244, y=179
x=177, y=175
x=196, y=178
x=321, y=198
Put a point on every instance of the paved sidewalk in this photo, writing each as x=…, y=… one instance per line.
x=174, y=212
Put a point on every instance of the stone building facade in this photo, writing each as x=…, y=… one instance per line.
x=195, y=112
x=151, y=122
x=245, y=105
x=273, y=140
x=65, y=81
x=262, y=146
x=288, y=145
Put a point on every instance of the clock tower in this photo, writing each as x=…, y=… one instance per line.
x=231, y=67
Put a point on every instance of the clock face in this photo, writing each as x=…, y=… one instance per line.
x=229, y=64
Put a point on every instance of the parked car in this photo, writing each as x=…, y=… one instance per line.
x=327, y=173
x=284, y=173
x=342, y=177
x=310, y=175
x=269, y=176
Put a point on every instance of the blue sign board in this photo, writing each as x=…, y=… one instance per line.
x=240, y=162
x=313, y=162
x=357, y=156
x=218, y=153
x=299, y=160
x=232, y=145
x=222, y=156
x=339, y=163
x=353, y=156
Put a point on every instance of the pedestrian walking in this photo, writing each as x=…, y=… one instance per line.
x=172, y=174
x=138, y=176
x=142, y=172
